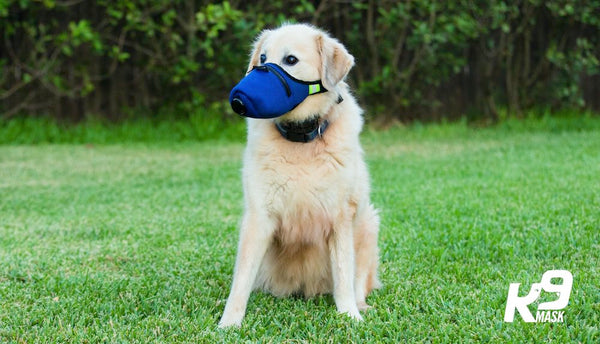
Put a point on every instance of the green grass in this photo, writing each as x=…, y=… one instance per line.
x=135, y=242
x=165, y=128
x=219, y=123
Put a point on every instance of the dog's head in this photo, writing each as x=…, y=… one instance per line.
x=300, y=53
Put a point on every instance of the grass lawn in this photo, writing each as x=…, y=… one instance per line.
x=136, y=242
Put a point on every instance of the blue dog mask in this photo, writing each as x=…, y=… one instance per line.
x=268, y=91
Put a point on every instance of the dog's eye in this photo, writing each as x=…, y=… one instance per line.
x=263, y=58
x=291, y=60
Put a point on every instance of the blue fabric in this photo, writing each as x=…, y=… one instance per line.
x=263, y=92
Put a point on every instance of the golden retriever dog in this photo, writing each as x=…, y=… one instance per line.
x=308, y=227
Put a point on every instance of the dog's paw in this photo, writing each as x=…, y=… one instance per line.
x=229, y=322
x=363, y=306
x=349, y=308
x=355, y=316
x=352, y=313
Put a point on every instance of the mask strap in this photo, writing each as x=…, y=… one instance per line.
x=288, y=91
x=316, y=88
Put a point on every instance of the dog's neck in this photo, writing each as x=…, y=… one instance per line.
x=304, y=131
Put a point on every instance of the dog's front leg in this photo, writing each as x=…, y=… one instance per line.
x=255, y=236
x=341, y=248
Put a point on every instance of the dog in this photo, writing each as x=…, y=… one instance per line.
x=308, y=227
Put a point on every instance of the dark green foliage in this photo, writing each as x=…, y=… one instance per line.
x=420, y=59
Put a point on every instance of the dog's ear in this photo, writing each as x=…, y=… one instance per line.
x=336, y=62
x=256, y=51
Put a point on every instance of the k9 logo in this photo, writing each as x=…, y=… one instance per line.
x=547, y=311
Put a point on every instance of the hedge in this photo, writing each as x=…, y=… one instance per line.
x=416, y=60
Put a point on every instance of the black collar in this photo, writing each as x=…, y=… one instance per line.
x=305, y=131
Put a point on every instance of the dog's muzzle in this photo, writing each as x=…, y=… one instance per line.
x=268, y=91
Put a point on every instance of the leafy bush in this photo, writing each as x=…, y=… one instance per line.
x=421, y=59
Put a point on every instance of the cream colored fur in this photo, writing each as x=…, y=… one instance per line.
x=308, y=226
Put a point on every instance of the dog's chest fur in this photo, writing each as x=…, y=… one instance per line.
x=306, y=189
